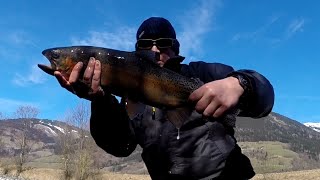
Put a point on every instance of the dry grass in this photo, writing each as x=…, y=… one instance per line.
x=40, y=174
x=54, y=174
x=294, y=175
x=112, y=176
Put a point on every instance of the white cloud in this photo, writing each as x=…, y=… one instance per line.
x=20, y=38
x=35, y=76
x=295, y=26
x=8, y=106
x=259, y=32
x=122, y=38
x=195, y=24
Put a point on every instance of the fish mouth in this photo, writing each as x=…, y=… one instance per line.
x=48, y=69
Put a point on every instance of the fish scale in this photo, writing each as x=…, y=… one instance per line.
x=131, y=74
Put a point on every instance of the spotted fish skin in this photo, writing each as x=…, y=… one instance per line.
x=134, y=74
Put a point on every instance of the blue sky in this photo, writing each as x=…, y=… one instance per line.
x=279, y=39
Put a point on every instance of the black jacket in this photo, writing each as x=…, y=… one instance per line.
x=203, y=149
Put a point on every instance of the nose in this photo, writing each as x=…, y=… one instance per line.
x=155, y=48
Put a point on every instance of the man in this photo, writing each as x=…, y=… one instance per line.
x=204, y=147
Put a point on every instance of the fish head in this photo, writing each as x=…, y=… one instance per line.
x=63, y=59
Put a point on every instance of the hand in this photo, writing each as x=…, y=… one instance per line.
x=89, y=87
x=216, y=97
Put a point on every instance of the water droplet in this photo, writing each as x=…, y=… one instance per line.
x=178, y=136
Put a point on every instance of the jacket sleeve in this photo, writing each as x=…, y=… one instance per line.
x=258, y=103
x=111, y=128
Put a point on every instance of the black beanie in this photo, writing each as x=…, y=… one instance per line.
x=158, y=27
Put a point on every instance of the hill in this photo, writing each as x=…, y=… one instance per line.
x=275, y=127
x=273, y=143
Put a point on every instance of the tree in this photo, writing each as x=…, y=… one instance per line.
x=3, y=116
x=1, y=142
x=66, y=148
x=1, y=138
x=77, y=145
x=24, y=113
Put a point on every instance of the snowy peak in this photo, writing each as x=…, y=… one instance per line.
x=314, y=126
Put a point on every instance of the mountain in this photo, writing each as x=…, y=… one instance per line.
x=45, y=138
x=314, y=126
x=275, y=127
x=42, y=134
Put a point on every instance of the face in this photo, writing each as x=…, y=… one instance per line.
x=160, y=45
x=165, y=54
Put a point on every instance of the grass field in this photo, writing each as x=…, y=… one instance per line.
x=54, y=174
x=294, y=175
x=266, y=157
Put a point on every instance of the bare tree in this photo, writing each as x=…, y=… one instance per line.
x=66, y=147
x=86, y=146
x=1, y=142
x=78, y=145
x=23, y=147
x=80, y=119
x=25, y=113
x=3, y=116
x=1, y=138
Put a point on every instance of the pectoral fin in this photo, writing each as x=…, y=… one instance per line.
x=178, y=116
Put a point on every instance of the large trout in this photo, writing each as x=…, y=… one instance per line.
x=131, y=74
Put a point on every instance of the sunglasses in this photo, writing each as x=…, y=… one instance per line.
x=160, y=43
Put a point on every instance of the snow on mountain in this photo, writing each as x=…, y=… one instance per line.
x=59, y=128
x=314, y=126
x=46, y=129
x=50, y=126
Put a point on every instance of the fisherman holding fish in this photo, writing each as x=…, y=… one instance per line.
x=202, y=144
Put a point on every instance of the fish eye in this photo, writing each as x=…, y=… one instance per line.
x=55, y=55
